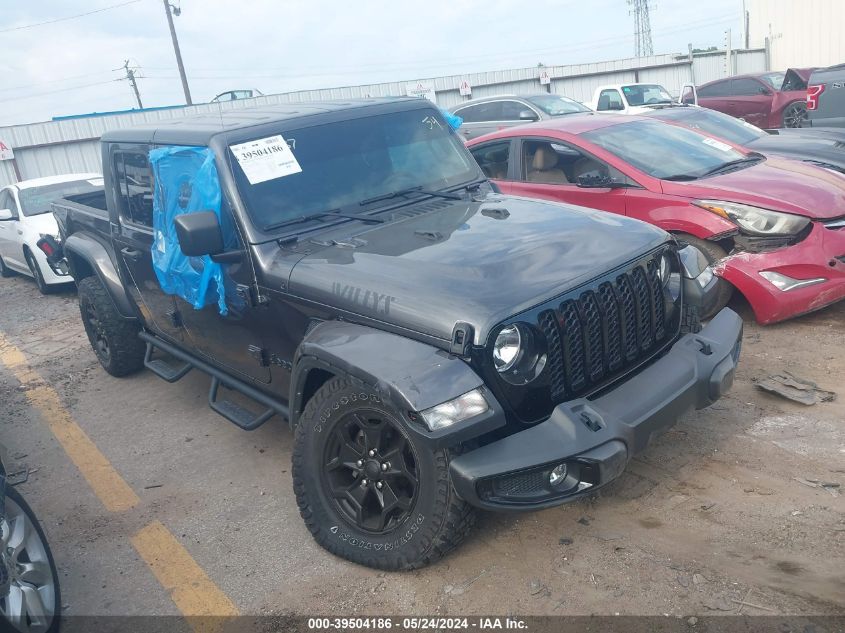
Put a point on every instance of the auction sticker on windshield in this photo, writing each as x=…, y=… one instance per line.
x=712, y=142
x=266, y=159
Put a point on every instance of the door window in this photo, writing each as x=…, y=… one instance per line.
x=470, y=114
x=746, y=87
x=493, y=159
x=610, y=100
x=555, y=163
x=717, y=89
x=134, y=180
x=512, y=109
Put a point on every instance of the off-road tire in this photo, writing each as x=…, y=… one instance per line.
x=438, y=522
x=5, y=271
x=714, y=253
x=126, y=350
x=43, y=288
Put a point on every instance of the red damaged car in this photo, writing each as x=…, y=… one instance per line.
x=768, y=100
x=773, y=228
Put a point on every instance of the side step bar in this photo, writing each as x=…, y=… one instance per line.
x=236, y=414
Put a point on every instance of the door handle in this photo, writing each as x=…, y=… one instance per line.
x=131, y=253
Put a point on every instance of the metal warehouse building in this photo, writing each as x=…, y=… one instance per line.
x=801, y=33
x=71, y=144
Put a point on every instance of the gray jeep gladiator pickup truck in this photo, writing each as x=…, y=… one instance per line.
x=436, y=346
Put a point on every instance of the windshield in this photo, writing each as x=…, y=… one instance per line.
x=347, y=162
x=713, y=123
x=775, y=80
x=646, y=94
x=37, y=200
x=555, y=105
x=662, y=150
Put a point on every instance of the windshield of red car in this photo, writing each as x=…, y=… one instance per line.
x=37, y=200
x=664, y=151
x=775, y=80
x=555, y=105
x=339, y=165
x=712, y=123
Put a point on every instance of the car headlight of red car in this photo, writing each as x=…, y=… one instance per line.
x=754, y=220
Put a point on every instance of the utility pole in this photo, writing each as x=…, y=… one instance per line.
x=130, y=75
x=177, y=11
x=729, y=66
x=643, y=44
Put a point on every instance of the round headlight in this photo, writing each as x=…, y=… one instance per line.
x=506, y=348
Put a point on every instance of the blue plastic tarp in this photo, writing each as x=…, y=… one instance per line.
x=186, y=181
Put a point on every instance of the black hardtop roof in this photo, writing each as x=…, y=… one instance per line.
x=199, y=129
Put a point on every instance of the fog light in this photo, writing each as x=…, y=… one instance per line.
x=786, y=283
x=461, y=408
x=558, y=474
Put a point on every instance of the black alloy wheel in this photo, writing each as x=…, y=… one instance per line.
x=795, y=114
x=370, y=471
x=97, y=335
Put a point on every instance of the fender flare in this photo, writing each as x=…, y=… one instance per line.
x=414, y=376
x=100, y=261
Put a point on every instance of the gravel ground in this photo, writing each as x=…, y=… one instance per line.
x=718, y=516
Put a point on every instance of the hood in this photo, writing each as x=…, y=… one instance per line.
x=477, y=261
x=42, y=223
x=780, y=184
x=823, y=148
x=802, y=73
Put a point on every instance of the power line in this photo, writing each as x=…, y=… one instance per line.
x=70, y=17
x=53, y=81
x=50, y=92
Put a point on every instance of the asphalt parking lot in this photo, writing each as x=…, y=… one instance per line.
x=720, y=515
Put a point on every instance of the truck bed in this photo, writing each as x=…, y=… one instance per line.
x=83, y=212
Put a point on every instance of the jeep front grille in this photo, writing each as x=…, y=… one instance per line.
x=598, y=334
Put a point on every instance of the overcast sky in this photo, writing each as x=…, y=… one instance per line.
x=66, y=67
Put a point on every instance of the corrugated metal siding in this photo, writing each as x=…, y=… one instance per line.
x=802, y=33
x=70, y=145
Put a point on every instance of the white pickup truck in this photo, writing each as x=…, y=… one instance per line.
x=630, y=98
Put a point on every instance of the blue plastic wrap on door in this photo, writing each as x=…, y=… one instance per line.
x=186, y=182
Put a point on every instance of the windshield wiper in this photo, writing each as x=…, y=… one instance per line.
x=404, y=192
x=335, y=213
x=680, y=177
x=751, y=158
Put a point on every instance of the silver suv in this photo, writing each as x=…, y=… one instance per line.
x=826, y=97
x=495, y=113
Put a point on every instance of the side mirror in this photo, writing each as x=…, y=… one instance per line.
x=6, y=214
x=527, y=115
x=764, y=91
x=602, y=181
x=199, y=233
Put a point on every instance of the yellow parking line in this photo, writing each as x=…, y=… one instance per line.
x=190, y=588
x=110, y=488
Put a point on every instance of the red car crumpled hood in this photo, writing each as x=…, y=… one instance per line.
x=779, y=184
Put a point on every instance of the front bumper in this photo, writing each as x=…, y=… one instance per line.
x=596, y=438
x=820, y=255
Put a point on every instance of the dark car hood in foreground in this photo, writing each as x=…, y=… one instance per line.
x=826, y=148
x=780, y=184
x=472, y=261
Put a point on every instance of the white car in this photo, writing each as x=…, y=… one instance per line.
x=26, y=216
x=630, y=98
